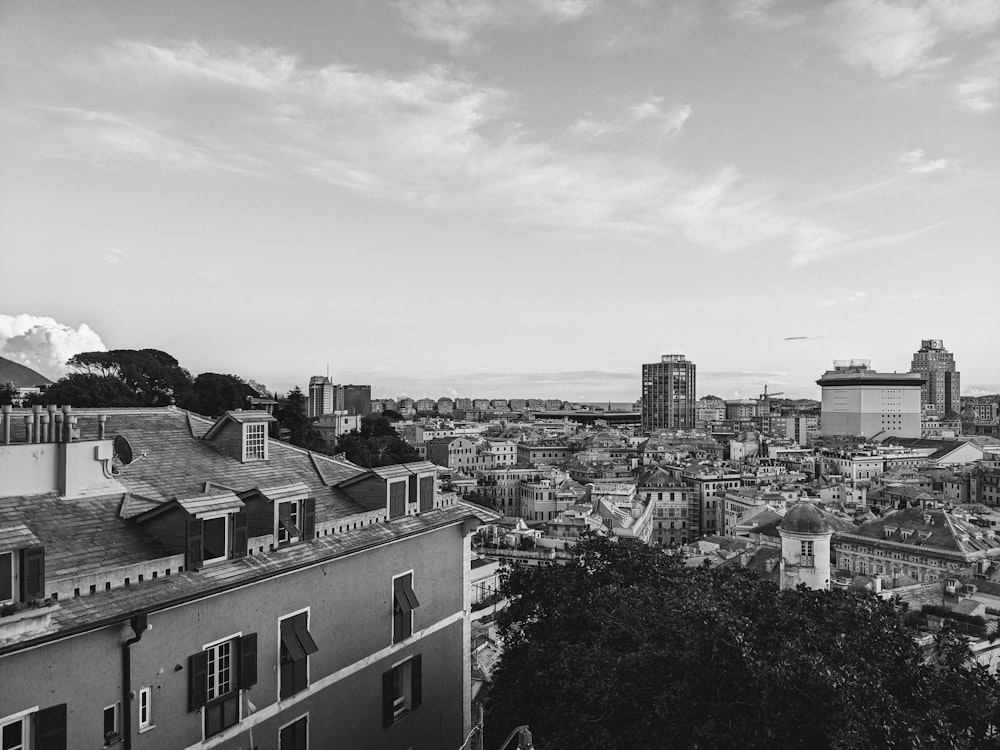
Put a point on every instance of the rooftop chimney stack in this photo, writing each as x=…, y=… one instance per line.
x=6, y=412
x=68, y=423
x=36, y=415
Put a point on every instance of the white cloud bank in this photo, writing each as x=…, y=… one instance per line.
x=44, y=344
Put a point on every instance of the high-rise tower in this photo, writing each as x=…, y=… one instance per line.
x=668, y=389
x=320, y=395
x=942, y=382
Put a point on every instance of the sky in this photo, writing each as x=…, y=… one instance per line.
x=507, y=198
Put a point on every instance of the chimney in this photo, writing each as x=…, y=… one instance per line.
x=68, y=423
x=27, y=429
x=57, y=427
x=44, y=436
x=6, y=410
x=53, y=438
x=102, y=423
x=36, y=423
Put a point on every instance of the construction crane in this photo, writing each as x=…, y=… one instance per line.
x=765, y=399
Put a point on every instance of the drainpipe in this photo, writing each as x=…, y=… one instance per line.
x=140, y=624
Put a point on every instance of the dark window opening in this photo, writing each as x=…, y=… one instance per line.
x=215, y=538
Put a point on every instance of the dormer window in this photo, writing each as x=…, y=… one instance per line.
x=288, y=522
x=215, y=538
x=254, y=441
x=890, y=530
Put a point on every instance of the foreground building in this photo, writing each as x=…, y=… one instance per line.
x=200, y=584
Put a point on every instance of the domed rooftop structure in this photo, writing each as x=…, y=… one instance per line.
x=805, y=518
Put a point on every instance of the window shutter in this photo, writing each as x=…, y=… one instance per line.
x=426, y=493
x=309, y=518
x=301, y=731
x=50, y=728
x=387, y=698
x=248, y=661
x=195, y=543
x=416, y=682
x=197, y=680
x=32, y=573
x=240, y=534
x=6, y=565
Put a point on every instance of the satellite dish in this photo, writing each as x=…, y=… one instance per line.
x=123, y=449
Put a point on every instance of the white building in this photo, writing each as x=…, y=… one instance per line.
x=859, y=401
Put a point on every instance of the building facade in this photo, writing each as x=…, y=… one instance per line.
x=859, y=401
x=668, y=394
x=224, y=590
x=941, y=391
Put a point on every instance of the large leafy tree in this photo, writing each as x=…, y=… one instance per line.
x=376, y=444
x=625, y=647
x=156, y=378
x=85, y=389
x=214, y=393
x=293, y=416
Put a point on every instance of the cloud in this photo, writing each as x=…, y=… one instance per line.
x=978, y=91
x=433, y=139
x=803, y=338
x=823, y=245
x=827, y=303
x=649, y=112
x=457, y=23
x=916, y=162
x=113, y=256
x=43, y=343
x=896, y=40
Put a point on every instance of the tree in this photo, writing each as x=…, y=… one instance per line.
x=213, y=394
x=292, y=415
x=82, y=389
x=8, y=394
x=376, y=444
x=154, y=376
x=625, y=647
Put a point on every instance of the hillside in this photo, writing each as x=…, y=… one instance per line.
x=19, y=375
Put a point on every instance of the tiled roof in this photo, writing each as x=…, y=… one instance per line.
x=945, y=532
x=16, y=536
x=197, y=504
x=286, y=492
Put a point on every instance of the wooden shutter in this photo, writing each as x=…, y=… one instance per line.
x=416, y=682
x=388, y=697
x=426, y=493
x=248, y=661
x=309, y=518
x=50, y=728
x=197, y=680
x=32, y=573
x=301, y=730
x=239, y=534
x=195, y=544
x=6, y=566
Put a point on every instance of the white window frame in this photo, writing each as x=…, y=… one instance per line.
x=234, y=639
x=227, y=524
x=280, y=534
x=249, y=427
x=117, y=708
x=146, y=706
x=293, y=721
x=24, y=717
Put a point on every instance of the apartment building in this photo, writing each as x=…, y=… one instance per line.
x=193, y=583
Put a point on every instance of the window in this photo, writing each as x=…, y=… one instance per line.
x=254, y=442
x=288, y=522
x=404, y=601
x=43, y=728
x=401, y=690
x=145, y=708
x=112, y=730
x=296, y=646
x=806, y=553
x=294, y=736
x=214, y=538
x=216, y=675
x=14, y=733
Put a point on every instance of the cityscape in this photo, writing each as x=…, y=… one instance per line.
x=499, y=375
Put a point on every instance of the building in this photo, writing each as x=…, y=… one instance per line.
x=708, y=411
x=668, y=394
x=320, y=396
x=331, y=426
x=859, y=401
x=805, y=547
x=457, y=453
x=676, y=508
x=941, y=391
x=197, y=583
x=533, y=454
x=739, y=410
x=325, y=397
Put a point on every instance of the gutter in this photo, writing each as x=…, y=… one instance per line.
x=140, y=624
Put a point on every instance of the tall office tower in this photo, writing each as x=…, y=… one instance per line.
x=668, y=399
x=859, y=401
x=356, y=399
x=320, y=395
x=941, y=389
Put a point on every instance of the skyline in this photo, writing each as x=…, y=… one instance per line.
x=514, y=199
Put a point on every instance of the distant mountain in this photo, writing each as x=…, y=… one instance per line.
x=19, y=375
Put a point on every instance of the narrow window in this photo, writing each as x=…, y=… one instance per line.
x=214, y=538
x=112, y=732
x=401, y=690
x=6, y=577
x=294, y=736
x=145, y=708
x=254, y=443
x=288, y=522
x=297, y=645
